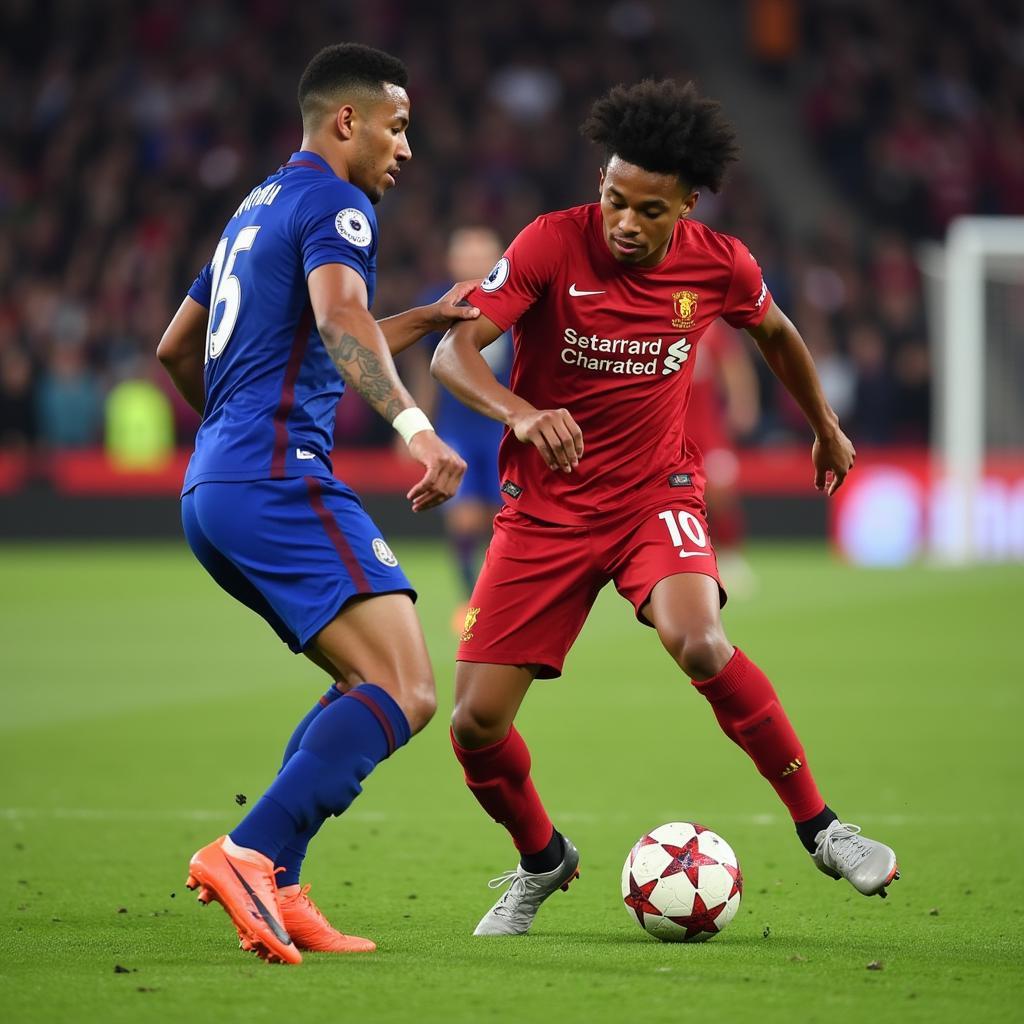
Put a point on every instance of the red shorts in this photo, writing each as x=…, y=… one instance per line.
x=539, y=580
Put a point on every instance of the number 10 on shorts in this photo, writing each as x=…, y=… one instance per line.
x=686, y=524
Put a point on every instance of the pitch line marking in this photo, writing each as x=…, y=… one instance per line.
x=113, y=814
x=23, y=814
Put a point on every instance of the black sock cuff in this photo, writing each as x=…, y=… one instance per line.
x=808, y=830
x=547, y=859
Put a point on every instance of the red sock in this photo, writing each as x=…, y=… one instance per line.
x=748, y=710
x=499, y=777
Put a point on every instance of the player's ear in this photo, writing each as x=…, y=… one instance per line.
x=600, y=182
x=689, y=203
x=344, y=120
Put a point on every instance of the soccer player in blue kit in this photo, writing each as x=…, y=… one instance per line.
x=272, y=330
x=472, y=251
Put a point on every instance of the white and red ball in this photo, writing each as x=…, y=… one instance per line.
x=682, y=883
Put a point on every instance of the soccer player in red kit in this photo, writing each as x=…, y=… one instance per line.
x=607, y=302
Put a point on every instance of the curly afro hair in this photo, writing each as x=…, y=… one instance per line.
x=343, y=67
x=667, y=128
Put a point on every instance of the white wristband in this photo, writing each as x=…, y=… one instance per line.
x=410, y=422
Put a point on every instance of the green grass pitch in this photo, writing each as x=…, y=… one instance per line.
x=138, y=700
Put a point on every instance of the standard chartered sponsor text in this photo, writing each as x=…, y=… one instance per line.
x=590, y=352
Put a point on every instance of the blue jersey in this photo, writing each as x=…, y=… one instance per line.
x=271, y=388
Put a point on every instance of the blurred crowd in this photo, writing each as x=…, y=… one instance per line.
x=917, y=113
x=131, y=129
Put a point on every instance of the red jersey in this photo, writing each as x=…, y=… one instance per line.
x=614, y=345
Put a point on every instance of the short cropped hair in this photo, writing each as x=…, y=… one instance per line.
x=666, y=128
x=345, y=67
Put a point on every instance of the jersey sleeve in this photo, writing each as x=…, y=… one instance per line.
x=520, y=277
x=748, y=299
x=336, y=224
x=201, y=287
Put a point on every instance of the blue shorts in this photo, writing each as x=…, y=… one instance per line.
x=480, y=453
x=295, y=551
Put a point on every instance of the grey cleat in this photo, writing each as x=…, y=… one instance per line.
x=514, y=912
x=842, y=852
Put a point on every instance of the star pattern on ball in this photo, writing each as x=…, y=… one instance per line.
x=638, y=899
x=737, y=880
x=700, y=919
x=686, y=858
x=640, y=844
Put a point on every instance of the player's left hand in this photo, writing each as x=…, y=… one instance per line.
x=447, y=309
x=833, y=456
x=444, y=471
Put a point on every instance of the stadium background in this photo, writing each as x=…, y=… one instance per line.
x=128, y=132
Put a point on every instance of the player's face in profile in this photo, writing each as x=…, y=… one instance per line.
x=382, y=146
x=639, y=209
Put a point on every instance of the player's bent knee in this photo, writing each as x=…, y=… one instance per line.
x=475, y=727
x=701, y=654
x=705, y=655
x=419, y=702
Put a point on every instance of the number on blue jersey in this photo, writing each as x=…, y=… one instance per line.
x=226, y=289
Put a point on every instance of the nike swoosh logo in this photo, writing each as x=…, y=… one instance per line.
x=282, y=936
x=693, y=554
x=576, y=293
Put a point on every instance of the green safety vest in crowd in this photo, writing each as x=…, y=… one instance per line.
x=140, y=425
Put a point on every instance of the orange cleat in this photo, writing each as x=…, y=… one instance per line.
x=311, y=930
x=242, y=882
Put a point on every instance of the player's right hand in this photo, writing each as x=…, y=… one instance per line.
x=452, y=306
x=555, y=434
x=833, y=456
x=444, y=471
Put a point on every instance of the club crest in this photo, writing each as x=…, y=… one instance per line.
x=684, y=308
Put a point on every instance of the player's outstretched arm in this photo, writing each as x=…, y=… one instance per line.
x=404, y=329
x=182, y=351
x=784, y=350
x=458, y=365
x=360, y=353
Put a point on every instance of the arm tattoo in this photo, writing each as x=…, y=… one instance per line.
x=364, y=371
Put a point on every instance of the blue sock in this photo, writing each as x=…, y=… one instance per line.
x=332, y=694
x=294, y=851
x=342, y=744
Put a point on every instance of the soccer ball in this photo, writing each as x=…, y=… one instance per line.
x=682, y=883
